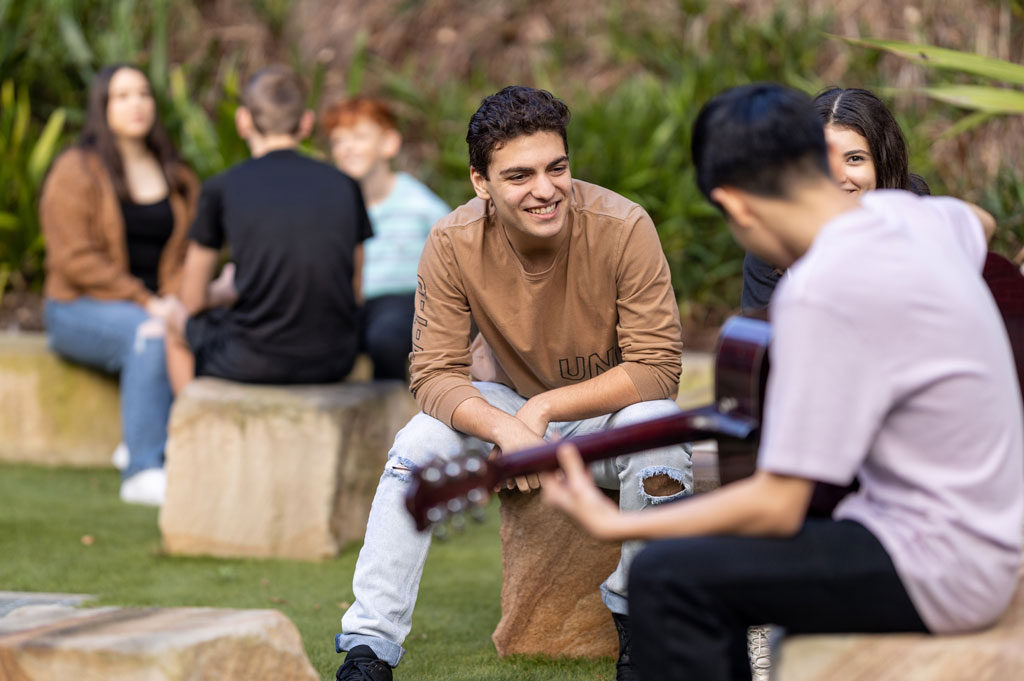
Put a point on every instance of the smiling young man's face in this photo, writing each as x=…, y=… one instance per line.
x=529, y=182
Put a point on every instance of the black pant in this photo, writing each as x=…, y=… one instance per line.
x=691, y=600
x=386, y=329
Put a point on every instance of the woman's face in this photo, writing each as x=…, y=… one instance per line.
x=130, y=106
x=850, y=159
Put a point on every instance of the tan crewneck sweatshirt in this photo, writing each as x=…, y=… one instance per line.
x=606, y=300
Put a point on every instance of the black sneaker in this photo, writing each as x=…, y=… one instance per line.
x=624, y=670
x=361, y=664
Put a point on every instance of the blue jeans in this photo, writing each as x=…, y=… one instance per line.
x=390, y=564
x=103, y=335
x=386, y=334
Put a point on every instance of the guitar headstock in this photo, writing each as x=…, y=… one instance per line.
x=443, y=489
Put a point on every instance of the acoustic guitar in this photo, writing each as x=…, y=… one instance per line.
x=442, y=488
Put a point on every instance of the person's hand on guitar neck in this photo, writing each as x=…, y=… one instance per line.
x=508, y=433
x=573, y=491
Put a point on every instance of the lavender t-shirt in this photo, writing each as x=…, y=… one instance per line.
x=890, y=363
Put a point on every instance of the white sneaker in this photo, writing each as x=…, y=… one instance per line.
x=148, y=487
x=120, y=456
x=759, y=650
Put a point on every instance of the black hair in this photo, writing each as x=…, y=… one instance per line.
x=864, y=113
x=759, y=138
x=513, y=112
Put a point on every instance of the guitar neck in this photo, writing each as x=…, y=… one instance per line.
x=689, y=426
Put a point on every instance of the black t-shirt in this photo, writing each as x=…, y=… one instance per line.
x=292, y=224
x=147, y=227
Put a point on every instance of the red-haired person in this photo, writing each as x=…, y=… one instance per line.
x=364, y=141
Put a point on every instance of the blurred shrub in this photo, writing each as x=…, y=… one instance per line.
x=631, y=121
x=26, y=149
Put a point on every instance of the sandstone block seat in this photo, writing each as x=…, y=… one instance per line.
x=994, y=654
x=276, y=471
x=57, y=643
x=551, y=574
x=53, y=412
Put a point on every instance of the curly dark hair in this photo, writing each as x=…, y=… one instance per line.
x=513, y=112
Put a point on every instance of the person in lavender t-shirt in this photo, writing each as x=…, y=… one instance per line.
x=890, y=364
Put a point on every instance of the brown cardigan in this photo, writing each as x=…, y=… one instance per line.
x=82, y=223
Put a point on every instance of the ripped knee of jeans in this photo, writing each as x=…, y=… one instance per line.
x=399, y=468
x=659, y=484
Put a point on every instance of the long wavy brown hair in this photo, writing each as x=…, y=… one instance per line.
x=97, y=136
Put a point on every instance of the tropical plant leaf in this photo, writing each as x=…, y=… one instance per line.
x=75, y=42
x=968, y=122
x=979, y=98
x=8, y=221
x=940, y=57
x=46, y=147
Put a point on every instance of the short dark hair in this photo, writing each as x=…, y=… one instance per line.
x=758, y=138
x=864, y=113
x=276, y=98
x=513, y=112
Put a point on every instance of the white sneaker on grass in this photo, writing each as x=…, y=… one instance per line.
x=120, y=457
x=148, y=487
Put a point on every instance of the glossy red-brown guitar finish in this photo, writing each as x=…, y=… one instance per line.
x=1007, y=286
x=443, y=488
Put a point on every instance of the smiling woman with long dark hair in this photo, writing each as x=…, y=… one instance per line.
x=867, y=150
x=115, y=211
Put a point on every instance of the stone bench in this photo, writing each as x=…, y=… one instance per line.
x=276, y=471
x=58, y=643
x=53, y=412
x=995, y=654
x=550, y=599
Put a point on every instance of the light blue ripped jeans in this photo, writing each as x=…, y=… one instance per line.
x=105, y=335
x=390, y=564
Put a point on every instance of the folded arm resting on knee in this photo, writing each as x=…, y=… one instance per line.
x=765, y=504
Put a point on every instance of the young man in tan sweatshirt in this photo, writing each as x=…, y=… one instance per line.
x=572, y=295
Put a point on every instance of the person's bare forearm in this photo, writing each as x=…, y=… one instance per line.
x=764, y=504
x=478, y=418
x=755, y=506
x=200, y=264
x=604, y=394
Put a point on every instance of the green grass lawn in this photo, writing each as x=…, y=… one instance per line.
x=45, y=513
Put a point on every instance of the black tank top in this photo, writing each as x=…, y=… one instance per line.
x=147, y=228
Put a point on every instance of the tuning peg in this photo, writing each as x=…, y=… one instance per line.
x=431, y=475
x=440, y=532
x=477, y=514
x=458, y=522
x=435, y=514
x=453, y=469
x=456, y=505
x=477, y=496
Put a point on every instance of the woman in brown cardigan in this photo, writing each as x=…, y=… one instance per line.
x=115, y=212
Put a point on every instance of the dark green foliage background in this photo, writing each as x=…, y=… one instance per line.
x=629, y=133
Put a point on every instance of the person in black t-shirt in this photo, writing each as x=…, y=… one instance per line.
x=283, y=311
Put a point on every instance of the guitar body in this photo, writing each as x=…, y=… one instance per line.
x=1007, y=286
x=741, y=373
